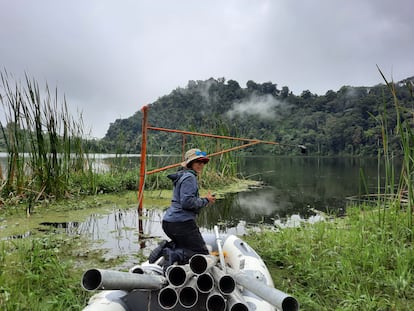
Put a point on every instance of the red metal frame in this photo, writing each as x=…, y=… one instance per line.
x=146, y=127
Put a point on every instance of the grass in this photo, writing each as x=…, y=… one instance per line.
x=41, y=273
x=36, y=275
x=347, y=264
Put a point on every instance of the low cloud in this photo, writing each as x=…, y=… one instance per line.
x=263, y=106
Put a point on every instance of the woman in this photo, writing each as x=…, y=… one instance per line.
x=179, y=222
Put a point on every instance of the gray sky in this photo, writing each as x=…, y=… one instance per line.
x=110, y=58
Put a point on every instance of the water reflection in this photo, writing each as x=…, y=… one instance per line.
x=263, y=206
x=70, y=227
x=117, y=231
x=19, y=236
x=296, y=221
x=297, y=190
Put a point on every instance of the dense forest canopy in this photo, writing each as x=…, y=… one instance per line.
x=346, y=122
x=349, y=121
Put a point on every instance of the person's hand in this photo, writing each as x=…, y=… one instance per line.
x=211, y=198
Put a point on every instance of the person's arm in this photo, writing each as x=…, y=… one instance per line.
x=189, y=198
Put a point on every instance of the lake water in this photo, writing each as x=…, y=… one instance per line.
x=294, y=188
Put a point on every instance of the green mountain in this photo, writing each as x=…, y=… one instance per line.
x=346, y=122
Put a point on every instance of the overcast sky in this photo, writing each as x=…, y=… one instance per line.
x=109, y=58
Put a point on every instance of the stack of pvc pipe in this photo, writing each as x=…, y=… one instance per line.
x=186, y=283
x=201, y=284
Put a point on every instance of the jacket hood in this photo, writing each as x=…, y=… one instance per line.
x=177, y=175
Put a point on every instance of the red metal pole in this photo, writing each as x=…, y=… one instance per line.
x=183, y=147
x=212, y=135
x=209, y=155
x=235, y=148
x=143, y=158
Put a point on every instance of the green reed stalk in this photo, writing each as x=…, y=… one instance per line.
x=13, y=135
x=223, y=165
x=404, y=130
x=220, y=170
x=45, y=145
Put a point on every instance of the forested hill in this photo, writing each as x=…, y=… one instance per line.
x=343, y=122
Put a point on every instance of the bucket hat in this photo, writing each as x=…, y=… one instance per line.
x=194, y=154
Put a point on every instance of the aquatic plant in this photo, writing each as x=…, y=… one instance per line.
x=403, y=194
x=44, y=142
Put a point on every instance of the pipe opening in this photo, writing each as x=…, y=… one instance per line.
x=290, y=304
x=216, y=303
x=167, y=298
x=238, y=306
x=227, y=284
x=188, y=297
x=177, y=276
x=205, y=283
x=137, y=270
x=198, y=264
x=91, y=279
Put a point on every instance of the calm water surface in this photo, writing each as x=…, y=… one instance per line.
x=294, y=188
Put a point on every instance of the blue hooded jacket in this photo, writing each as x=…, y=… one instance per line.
x=186, y=202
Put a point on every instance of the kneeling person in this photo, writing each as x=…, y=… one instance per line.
x=179, y=221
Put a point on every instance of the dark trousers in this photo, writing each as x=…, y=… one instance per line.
x=186, y=235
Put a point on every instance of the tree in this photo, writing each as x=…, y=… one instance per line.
x=306, y=94
x=269, y=88
x=252, y=86
x=285, y=92
x=349, y=120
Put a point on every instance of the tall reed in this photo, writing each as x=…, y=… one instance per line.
x=404, y=194
x=44, y=143
x=222, y=168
